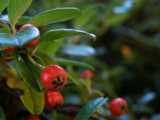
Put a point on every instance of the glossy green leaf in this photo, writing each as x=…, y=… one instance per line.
x=49, y=47
x=74, y=63
x=16, y=8
x=86, y=111
x=2, y=115
x=23, y=20
x=46, y=59
x=55, y=15
x=8, y=39
x=61, y=33
x=32, y=100
x=79, y=50
x=21, y=38
x=27, y=35
x=4, y=25
x=29, y=72
x=3, y=4
x=88, y=13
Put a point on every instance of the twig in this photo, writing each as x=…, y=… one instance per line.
x=44, y=116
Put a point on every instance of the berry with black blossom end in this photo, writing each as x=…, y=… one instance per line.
x=118, y=106
x=53, y=99
x=53, y=78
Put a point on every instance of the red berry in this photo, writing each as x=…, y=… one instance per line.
x=118, y=106
x=87, y=73
x=53, y=99
x=34, y=42
x=9, y=50
x=70, y=118
x=32, y=117
x=53, y=78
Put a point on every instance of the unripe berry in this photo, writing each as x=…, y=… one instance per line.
x=32, y=117
x=53, y=78
x=87, y=73
x=53, y=99
x=34, y=42
x=118, y=106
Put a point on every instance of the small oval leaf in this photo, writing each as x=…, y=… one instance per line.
x=86, y=111
x=27, y=35
x=79, y=50
x=29, y=72
x=74, y=63
x=32, y=100
x=16, y=8
x=61, y=33
x=8, y=39
x=55, y=15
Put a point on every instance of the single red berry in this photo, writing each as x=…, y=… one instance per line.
x=118, y=106
x=32, y=117
x=34, y=42
x=87, y=73
x=53, y=78
x=9, y=50
x=53, y=99
x=70, y=118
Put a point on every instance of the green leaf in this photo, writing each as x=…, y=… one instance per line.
x=27, y=35
x=23, y=20
x=3, y=4
x=21, y=38
x=29, y=72
x=90, y=108
x=2, y=115
x=46, y=59
x=74, y=63
x=4, y=25
x=73, y=80
x=88, y=13
x=61, y=33
x=8, y=39
x=49, y=47
x=16, y=8
x=55, y=15
x=79, y=50
x=32, y=100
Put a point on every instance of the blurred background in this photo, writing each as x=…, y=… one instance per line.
x=125, y=54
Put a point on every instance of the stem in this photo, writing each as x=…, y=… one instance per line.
x=97, y=92
x=34, y=62
x=35, y=49
x=13, y=29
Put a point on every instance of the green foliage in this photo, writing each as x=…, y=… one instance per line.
x=90, y=108
x=32, y=100
x=55, y=15
x=21, y=38
x=3, y=4
x=16, y=8
x=29, y=72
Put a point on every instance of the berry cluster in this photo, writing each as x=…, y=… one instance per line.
x=53, y=78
